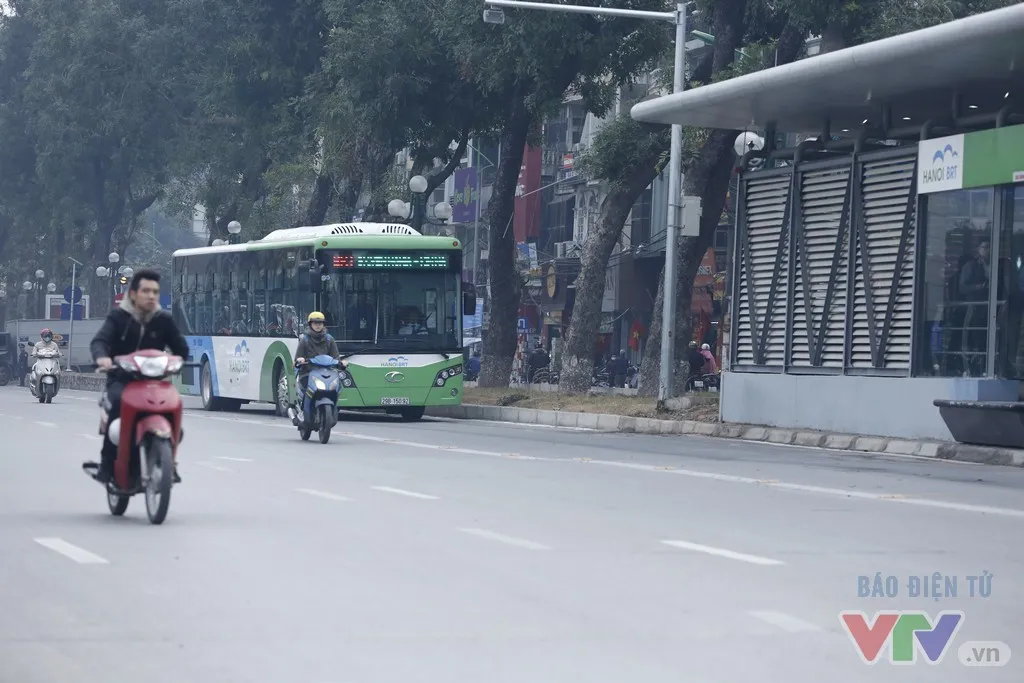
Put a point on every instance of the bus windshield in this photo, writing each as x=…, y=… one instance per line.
x=394, y=310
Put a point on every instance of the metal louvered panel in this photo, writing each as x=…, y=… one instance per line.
x=763, y=271
x=820, y=282
x=884, y=256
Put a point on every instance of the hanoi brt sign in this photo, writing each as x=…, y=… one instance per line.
x=940, y=164
x=985, y=158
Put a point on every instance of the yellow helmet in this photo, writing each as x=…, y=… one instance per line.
x=316, y=317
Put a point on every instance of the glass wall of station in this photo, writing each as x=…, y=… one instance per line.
x=970, y=297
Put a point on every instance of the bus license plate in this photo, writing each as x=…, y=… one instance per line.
x=394, y=401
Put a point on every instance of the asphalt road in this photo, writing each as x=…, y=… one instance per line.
x=458, y=552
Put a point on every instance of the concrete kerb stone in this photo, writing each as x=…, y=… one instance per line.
x=831, y=441
x=81, y=381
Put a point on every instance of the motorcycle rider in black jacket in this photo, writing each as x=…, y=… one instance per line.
x=138, y=323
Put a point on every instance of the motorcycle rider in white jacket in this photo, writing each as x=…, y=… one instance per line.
x=47, y=344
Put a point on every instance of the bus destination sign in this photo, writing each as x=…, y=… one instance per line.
x=387, y=261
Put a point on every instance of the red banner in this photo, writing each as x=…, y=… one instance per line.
x=526, y=221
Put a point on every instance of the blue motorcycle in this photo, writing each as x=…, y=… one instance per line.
x=320, y=403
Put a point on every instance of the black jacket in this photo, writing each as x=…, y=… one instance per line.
x=311, y=346
x=123, y=332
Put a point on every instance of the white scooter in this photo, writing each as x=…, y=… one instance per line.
x=44, y=381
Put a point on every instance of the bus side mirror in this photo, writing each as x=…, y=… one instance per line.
x=468, y=299
x=316, y=285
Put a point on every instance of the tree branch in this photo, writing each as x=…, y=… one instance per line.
x=435, y=179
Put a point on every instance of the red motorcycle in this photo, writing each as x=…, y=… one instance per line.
x=147, y=433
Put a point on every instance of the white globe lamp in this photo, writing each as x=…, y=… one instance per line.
x=443, y=211
x=418, y=184
x=747, y=141
x=398, y=208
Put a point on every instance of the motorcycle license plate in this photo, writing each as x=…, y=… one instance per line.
x=394, y=401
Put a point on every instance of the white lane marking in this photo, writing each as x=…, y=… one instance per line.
x=79, y=555
x=403, y=492
x=45, y=424
x=92, y=437
x=671, y=469
x=806, y=488
x=722, y=552
x=323, y=494
x=785, y=621
x=212, y=466
x=228, y=457
x=509, y=540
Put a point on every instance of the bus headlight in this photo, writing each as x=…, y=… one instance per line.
x=446, y=374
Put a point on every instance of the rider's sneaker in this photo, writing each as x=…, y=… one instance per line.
x=177, y=477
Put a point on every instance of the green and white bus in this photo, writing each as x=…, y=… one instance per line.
x=393, y=299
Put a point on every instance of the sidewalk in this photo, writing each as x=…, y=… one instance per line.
x=943, y=450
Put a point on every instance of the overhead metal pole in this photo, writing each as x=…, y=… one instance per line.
x=668, y=314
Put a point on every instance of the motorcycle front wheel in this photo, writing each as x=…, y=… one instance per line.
x=117, y=503
x=160, y=463
x=325, y=424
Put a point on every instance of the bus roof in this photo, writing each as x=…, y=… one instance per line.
x=338, y=236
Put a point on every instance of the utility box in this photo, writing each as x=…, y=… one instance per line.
x=690, y=214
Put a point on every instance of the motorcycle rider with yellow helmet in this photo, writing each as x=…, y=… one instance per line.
x=314, y=342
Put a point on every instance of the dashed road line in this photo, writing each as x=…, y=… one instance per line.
x=786, y=622
x=79, y=555
x=508, y=540
x=323, y=494
x=722, y=552
x=403, y=492
x=212, y=466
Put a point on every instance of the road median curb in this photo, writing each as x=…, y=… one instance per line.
x=794, y=437
x=83, y=381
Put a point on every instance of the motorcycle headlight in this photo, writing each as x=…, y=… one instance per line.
x=318, y=383
x=152, y=367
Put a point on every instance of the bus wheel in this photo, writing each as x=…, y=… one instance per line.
x=412, y=414
x=281, y=402
x=210, y=401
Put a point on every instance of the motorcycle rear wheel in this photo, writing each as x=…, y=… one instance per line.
x=160, y=461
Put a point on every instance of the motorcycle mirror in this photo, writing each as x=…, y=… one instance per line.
x=468, y=299
x=316, y=285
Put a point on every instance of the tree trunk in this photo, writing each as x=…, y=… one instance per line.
x=578, y=355
x=320, y=202
x=708, y=178
x=506, y=286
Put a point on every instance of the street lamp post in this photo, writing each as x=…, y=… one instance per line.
x=417, y=208
x=678, y=17
x=72, y=305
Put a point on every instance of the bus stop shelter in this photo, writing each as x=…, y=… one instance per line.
x=878, y=264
